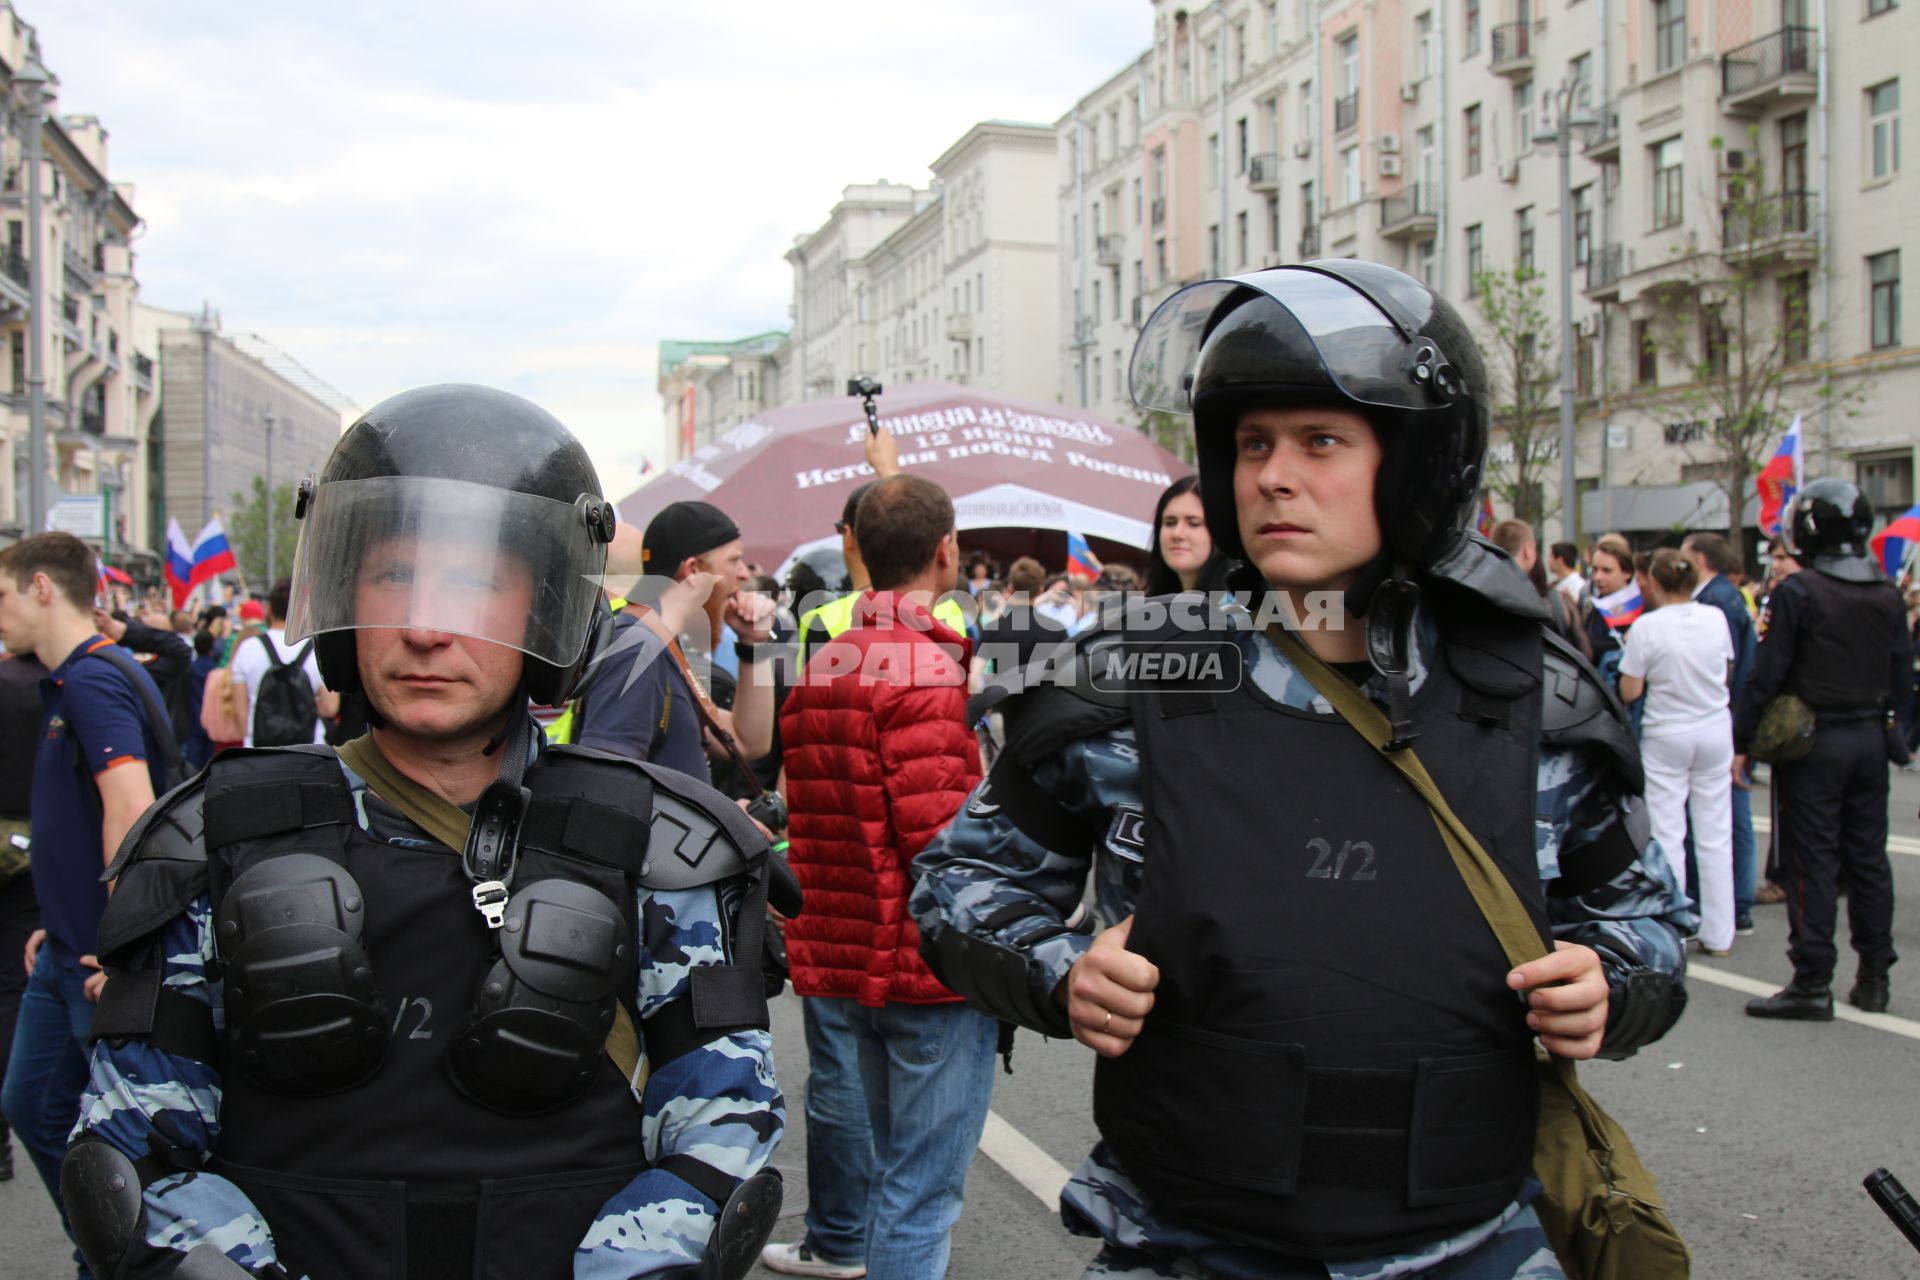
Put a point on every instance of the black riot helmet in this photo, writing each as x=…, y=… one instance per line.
x=1827, y=527
x=454, y=508
x=1338, y=332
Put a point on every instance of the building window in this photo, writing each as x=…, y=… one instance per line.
x=1213, y=161
x=1796, y=317
x=1583, y=225
x=1473, y=139
x=1668, y=194
x=1669, y=34
x=1476, y=259
x=1239, y=51
x=1095, y=312
x=1349, y=55
x=1887, y=482
x=1350, y=175
x=1273, y=224
x=1309, y=120
x=1877, y=7
x=1522, y=119
x=1581, y=69
x=1523, y=238
x=1119, y=376
x=1883, y=130
x=1213, y=250
x=1160, y=260
x=1582, y=365
x=1099, y=376
x=1242, y=143
x=1139, y=202
x=1473, y=27
x=1242, y=247
x=1646, y=358
x=1713, y=344
x=1423, y=45
x=1883, y=273
x=1429, y=256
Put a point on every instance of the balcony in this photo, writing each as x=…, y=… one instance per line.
x=1411, y=215
x=1512, y=50
x=70, y=322
x=1107, y=250
x=1770, y=71
x=16, y=284
x=79, y=269
x=1603, y=140
x=1263, y=172
x=1157, y=211
x=1310, y=242
x=960, y=326
x=1778, y=228
x=1606, y=266
x=142, y=372
x=1346, y=112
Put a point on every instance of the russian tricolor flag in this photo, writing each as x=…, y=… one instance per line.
x=1621, y=608
x=211, y=554
x=1484, y=526
x=179, y=563
x=1081, y=562
x=1782, y=477
x=1896, y=542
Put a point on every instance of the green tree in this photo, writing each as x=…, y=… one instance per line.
x=247, y=532
x=1738, y=317
x=1171, y=431
x=1525, y=380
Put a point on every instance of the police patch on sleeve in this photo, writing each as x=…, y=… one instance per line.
x=1127, y=836
x=981, y=803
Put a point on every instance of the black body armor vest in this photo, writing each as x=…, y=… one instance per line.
x=1334, y=1066
x=361, y=1173
x=1843, y=653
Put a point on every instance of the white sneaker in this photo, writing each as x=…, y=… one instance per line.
x=798, y=1259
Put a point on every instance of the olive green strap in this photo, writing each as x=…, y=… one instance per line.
x=1498, y=902
x=447, y=823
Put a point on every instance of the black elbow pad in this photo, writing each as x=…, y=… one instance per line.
x=993, y=979
x=1641, y=1010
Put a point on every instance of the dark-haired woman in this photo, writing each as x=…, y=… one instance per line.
x=1680, y=655
x=1182, y=557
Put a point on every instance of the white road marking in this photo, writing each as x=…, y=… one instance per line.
x=1841, y=1009
x=1895, y=844
x=1023, y=1160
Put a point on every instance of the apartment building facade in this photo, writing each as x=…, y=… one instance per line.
x=1735, y=187
x=101, y=392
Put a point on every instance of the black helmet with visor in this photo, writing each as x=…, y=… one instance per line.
x=461, y=509
x=1828, y=526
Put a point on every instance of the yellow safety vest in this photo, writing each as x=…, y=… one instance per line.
x=836, y=616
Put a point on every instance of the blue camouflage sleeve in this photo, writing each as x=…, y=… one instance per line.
x=1639, y=920
x=141, y=1099
x=719, y=1104
x=983, y=866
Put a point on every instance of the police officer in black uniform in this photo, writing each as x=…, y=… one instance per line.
x=1837, y=638
x=450, y=1002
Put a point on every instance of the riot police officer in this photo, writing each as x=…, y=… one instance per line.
x=1836, y=637
x=450, y=1002
x=1290, y=986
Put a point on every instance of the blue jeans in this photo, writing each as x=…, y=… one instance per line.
x=928, y=1071
x=839, y=1137
x=1745, y=871
x=47, y=1071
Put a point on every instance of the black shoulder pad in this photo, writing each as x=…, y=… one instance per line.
x=256, y=792
x=589, y=804
x=697, y=836
x=1581, y=711
x=1478, y=567
x=160, y=869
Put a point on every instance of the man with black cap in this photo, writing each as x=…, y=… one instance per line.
x=1836, y=639
x=648, y=699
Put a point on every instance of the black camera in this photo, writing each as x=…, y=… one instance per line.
x=862, y=386
x=769, y=809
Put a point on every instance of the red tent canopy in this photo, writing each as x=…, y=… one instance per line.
x=1008, y=464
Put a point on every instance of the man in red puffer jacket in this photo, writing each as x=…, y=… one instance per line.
x=879, y=758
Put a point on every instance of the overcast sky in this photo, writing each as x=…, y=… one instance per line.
x=532, y=195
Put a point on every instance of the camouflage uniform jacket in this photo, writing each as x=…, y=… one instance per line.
x=719, y=1103
x=982, y=863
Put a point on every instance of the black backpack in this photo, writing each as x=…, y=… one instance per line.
x=284, y=712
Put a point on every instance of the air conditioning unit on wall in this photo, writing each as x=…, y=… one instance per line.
x=1389, y=166
x=1509, y=171
x=1302, y=148
x=1389, y=143
x=1410, y=91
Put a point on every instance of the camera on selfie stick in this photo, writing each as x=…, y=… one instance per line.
x=866, y=388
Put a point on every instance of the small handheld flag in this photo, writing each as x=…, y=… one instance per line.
x=1484, y=526
x=1622, y=607
x=1895, y=543
x=1782, y=477
x=1081, y=562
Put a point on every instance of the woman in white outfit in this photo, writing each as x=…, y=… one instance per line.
x=1680, y=654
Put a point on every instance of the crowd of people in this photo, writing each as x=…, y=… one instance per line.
x=460, y=964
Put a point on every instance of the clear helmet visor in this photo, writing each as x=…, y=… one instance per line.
x=414, y=553
x=1327, y=332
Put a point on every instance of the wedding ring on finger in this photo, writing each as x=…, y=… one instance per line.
x=1107, y=1026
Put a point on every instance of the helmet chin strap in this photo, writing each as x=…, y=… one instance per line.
x=1387, y=599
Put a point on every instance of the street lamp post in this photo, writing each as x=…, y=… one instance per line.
x=31, y=82
x=1561, y=136
x=272, y=573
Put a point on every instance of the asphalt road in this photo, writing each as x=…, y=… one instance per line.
x=1760, y=1132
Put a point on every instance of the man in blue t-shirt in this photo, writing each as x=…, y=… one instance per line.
x=95, y=772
